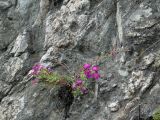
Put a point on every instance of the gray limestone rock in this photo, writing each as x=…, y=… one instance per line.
x=114, y=106
x=75, y=32
x=4, y=5
x=21, y=43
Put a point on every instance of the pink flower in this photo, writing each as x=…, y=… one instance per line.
x=78, y=82
x=84, y=90
x=88, y=73
x=49, y=69
x=96, y=76
x=95, y=68
x=86, y=66
x=74, y=86
x=36, y=69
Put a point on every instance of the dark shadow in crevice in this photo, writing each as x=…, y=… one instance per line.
x=4, y=49
x=66, y=98
x=55, y=4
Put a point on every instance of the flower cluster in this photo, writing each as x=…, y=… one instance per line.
x=91, y=72
x=79, y=84
x=39, y=72
x=36, y=69
x=88, y=73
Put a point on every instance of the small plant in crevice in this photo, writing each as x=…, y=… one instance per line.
x=41, y=73
x=73, y=85
x=79, y=82
x=87, y=75
x=70, y=86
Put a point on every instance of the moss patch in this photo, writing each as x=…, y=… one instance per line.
x=156, y=115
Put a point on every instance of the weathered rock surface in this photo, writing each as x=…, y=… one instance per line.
x=114, y=106
x=74, y=32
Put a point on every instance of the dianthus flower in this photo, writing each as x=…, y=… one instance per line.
x=96, y=76
x=36, y=69
x=79, y=82
x=74, y=86
x=95, y=68
x=49, y=69
x=86, y=66
x=88, y=74
x=84, y=90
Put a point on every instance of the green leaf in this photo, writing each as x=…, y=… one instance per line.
x=82, y=76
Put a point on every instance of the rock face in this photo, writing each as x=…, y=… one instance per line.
x=74, y=32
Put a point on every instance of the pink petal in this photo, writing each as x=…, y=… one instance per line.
x=86, y=66
x=95, y=68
